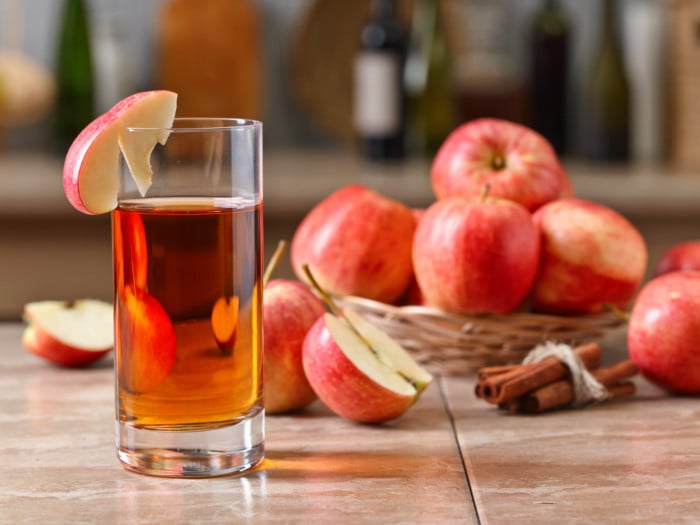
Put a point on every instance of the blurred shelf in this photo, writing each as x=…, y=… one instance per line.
x=295, y=180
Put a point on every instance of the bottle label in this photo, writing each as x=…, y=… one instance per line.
x=377, y=104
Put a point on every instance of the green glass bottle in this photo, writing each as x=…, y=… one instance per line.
x=428, y=80
x=550, y=68
x=606, y=111
x=74, y=76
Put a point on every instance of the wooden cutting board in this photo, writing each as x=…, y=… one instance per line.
x=210, y=53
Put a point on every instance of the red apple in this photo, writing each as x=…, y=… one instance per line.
x=516, y=162
x=290, y=308
x=69, y=333
x=368, y=379
x=146, y=343
x=592, y=256
x=357, y=242
x=476, y=255
x=683, y=256
x=663, y=336
x=91, y=168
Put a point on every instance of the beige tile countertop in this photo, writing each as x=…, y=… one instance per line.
x=450, y=459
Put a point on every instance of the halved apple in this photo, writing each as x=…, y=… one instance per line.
x=358, y=371
x=69, y=333
x=91, y=167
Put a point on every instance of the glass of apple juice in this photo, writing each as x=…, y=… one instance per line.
x=187, y=255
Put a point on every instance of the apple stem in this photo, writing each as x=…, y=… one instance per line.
x=618, y=312
x=485, y=189
x=325, y=296
x=274, y=261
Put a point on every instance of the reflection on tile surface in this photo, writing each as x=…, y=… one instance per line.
x=58, y=464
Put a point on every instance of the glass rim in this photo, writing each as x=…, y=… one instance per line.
x=205, y=124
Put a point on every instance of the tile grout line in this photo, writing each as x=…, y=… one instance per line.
x=450, y=417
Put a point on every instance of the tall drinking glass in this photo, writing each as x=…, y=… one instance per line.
x=188, y=303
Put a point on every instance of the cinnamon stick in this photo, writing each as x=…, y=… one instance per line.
x=526, y=378
x=490, y=371
x=561, y=393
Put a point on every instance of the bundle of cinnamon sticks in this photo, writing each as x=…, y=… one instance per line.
x=545, y=385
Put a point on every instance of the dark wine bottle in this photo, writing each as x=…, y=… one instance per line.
x=550, y=69
x=379, y=101
x=606, y=111
x=75, y=83
x=428, y=80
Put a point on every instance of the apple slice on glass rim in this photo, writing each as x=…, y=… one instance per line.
x=91, y=167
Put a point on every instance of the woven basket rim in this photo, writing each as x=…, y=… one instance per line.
x=455, y=344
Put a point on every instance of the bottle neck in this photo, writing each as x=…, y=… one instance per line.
x=610, y=17
x=382, y=9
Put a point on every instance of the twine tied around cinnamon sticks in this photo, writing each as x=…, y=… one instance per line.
x=553, y=376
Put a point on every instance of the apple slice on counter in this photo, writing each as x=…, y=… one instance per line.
x=91, y=167
x=69, y=333
x=355, y=368
x=358, y=371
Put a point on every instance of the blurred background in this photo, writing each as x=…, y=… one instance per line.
x=297, y=55
x=611, y=83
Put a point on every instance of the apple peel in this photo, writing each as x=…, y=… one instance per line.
x=91, y=167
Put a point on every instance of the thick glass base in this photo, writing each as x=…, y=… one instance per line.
x=193, y=454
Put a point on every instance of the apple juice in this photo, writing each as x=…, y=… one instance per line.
x=188, y=303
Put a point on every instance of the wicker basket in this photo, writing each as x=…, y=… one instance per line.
x=458, y=345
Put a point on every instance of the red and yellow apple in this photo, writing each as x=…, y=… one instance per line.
x=683, y=256
x=663, y=336
x=592, y=258
x=290, y=309
x=516, y=162
x=145, y=341
x=91, y=166
x=357, y=242
x=361, y=374
x=67, y=333
x=475, y=255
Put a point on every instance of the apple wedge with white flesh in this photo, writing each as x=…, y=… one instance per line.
x=354, y=375
x=389, y=352
x=356, y=369
x=91, y=167
x=69, y=333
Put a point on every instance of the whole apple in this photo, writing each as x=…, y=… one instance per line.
x=592, y=257
x=683, y=256
x=477, y=255
x=663, y=336
x=290, y=308
x=515, y=161
x=357, y=242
